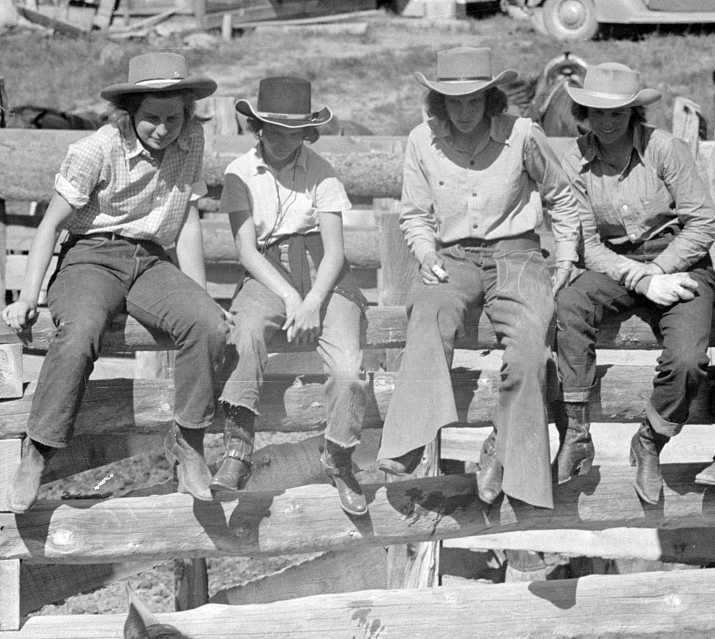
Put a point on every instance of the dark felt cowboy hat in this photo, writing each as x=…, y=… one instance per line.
x=611, y=85
x=158, y=72
x=464, y=70
x=284, y=101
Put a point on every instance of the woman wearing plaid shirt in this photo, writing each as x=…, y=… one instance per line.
x=126, y=194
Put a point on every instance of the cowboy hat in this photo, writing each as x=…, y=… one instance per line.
x=158, y=72
x=464, y=70
x=284, y=101
x=611, y=85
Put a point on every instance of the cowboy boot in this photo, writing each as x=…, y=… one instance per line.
x=235, y=469
x=706, y=477
x=184, y=447
x=22, y=492
x=576, y=452
x=491, y=471
x=645, y=455
x=337, y=463
x=404, y=464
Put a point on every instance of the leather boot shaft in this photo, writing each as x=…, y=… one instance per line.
x=337, y=462
x=646, y=446
x=576, y=450
x=184, y=448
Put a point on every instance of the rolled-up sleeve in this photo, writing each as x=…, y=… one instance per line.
x=80, y=171
x=544, y=168
x=694, y=207
x=597, y=256
x=417, y=218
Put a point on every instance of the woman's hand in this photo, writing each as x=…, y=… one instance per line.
x=303, y=325
x=671, y=288
x=20, y=314
x=432, y=269
x=561, y=275
x=637, y=271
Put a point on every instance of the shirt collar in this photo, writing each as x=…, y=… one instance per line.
x=260, y=165
x=589, y=148
x=497, y=129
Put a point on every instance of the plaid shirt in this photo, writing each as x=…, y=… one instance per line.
x=114, y=184
x=660, y=187
x=494, y=194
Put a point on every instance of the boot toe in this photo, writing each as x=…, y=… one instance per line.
x=233, y=474
x=706, y=477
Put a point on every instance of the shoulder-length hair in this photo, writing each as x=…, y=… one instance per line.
x=125, y=107
x=436, y=107
x=255, y=126
x=580, y=112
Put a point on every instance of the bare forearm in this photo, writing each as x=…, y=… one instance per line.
x=38, y=261
x=326, y=275
x=265, y=273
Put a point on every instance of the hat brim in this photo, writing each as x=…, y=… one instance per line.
x=465, y=87
x=201, y=87
x=587, y=98
x=323, y=116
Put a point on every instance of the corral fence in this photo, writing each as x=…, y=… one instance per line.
x=355, y=589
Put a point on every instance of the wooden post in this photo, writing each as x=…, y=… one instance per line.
x=9, y=568
x=397, y=266
x=3, y=229
x=686, y=122
x=191, y=583
x=200, y=13
x=227, y=27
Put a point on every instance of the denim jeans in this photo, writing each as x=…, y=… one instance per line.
x=514, y=289
x=258, y=314
x=97, y=278
x=684, y=326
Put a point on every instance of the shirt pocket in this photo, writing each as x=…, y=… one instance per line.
x=655, y=199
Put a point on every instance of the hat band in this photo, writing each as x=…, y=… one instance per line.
x=616, y=96
x=158, y=82
x=285, y=116
x=471, y=78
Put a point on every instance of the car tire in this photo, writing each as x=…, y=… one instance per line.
x=570, y=19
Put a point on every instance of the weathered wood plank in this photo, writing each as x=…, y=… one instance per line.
x=666, y=604
x=9, y=568
x=309, y=518
x=127, y=405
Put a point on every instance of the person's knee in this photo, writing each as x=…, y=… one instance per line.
x=81, y=334
x=686, y=363
x=429, y=310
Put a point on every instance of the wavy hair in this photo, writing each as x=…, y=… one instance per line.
x=124, y=107
x=580, y=112
x=436, y=106
x=255, y=126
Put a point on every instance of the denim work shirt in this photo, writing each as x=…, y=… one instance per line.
x=494, y=194
x=660, y=187
x=115, y=184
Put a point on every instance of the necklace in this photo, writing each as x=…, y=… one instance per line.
x=282, y=207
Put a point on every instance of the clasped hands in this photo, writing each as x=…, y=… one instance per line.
x=663, y=289
x=302, y=324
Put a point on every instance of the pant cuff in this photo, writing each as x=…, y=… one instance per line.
x=46, y=442
x=350, y=443
x=242, y=404
x=201, y=425
x=659, y=424
x=577, y=395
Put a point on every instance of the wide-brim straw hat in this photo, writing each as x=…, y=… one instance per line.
x=465, y=70
x=285, y=101
x=611, y=85
x=159, y=72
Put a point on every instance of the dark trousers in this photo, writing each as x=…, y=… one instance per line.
x=97, y=278
x=684, y=326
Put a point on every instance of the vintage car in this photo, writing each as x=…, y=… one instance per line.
x=579, y=19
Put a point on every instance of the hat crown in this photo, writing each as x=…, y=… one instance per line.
x=464, y=63
x=157, y=66
x=612, y=78
x=284, y=95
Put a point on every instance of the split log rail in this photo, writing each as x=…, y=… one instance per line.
x=288, y=508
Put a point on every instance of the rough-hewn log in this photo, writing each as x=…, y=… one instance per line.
x=387, y=326
x=308, y=518
x=127, y=405
x=370, y=166
x=665, y=604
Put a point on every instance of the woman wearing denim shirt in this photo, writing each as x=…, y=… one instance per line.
x=470, y=207
x=648, y=223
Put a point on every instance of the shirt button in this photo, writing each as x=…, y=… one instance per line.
x=632, y=237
